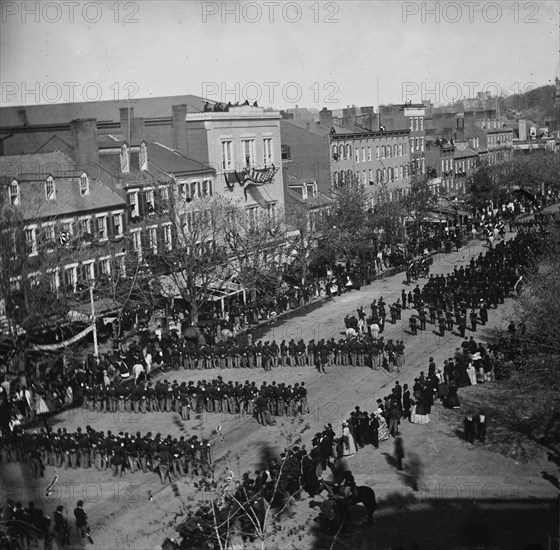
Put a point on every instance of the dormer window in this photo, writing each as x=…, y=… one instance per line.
x=14, y=193
x=84, y=184
x=143, y=156
x=50, y=191
x=125, y=159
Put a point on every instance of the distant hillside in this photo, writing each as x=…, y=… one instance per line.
x=535, y=105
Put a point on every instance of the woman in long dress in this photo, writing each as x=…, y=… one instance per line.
x=471, y=371
x=419, y=413
x=348, y=443
x=383, y=431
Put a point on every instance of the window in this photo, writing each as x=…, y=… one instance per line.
x=395, y=150
x=400, y=149
x=267, y=150
x=335, y=178
x=31, y=240
x=227, y=157
x=207, y=188
x=117, y=224
x=349, y=152
x=105, y=264
x=143, y=156
x=163, y=195
x=88, y=271
x=401, y=172
x=422, y=123
x=417, y=124
x=150, y=202
x=271, y=211
x=286, y=152
x=71, y=277
x=54, y=280
x=383, y=151
x=422, y=144
x=379, y=176
x=411, y=123
x=102, y=227
x=14, y=193
x=137, y=242
x=252, y=216
x=84, y=184
x=369, y=153
x=125, y=159
x=167, y=236
x=49, y=234
x=357, y=154
x=384, y=178
x=371, y=176
x=412, y=145
x=152, y=236
x=248, y=148
x=377, y=152
x=417, y=144
x=120, y=266
x=341, y=152
x=49, y=189
x=85, y=226
x=364, y=177
x=133, y=204
x=363, y=154
x=388, y=151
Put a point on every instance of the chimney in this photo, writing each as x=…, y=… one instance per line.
x=180, y=129
x=22, y=115
x=132, y=129
x=326, y=117
x=86, y=146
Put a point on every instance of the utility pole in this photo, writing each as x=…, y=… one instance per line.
x=94, y=325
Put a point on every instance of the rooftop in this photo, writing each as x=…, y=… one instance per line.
x=103, y=111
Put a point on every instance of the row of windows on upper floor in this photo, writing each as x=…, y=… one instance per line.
x=76, y=276
x=382, y=175
x=148, y=200
x=14, y=189
x=247, y=153
x=500, y=139
x=48, y=235
x=416, y=123
x=364, y=154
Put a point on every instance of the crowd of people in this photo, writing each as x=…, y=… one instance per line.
x=27, y=524
x=212, y=396
x=119, y=453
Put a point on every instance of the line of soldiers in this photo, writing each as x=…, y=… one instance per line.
x=212, y=396
x=484, y=283
x=118, y=452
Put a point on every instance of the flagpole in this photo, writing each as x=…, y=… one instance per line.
x=94, y=326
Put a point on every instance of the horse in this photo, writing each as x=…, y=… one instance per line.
x=362, y=495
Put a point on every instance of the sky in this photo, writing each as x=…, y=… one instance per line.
x=279, y=53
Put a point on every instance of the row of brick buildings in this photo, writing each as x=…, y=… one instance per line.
x=99, y=177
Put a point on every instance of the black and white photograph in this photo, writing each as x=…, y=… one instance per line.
x=279, y=275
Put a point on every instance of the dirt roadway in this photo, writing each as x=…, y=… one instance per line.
x=447, y=467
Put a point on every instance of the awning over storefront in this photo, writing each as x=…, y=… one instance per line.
x=82, y=312
x=216, y=290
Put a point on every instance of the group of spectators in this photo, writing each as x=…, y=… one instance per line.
x=27, y=524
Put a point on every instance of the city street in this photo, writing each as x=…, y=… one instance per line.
x=446, y=467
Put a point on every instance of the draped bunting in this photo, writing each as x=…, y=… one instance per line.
x=250, y=176
x=60, y=345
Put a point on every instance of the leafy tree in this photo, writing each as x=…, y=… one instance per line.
x=251, y=239
x=418, y=202
x=347, y=231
